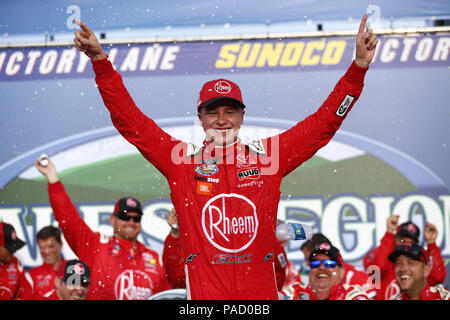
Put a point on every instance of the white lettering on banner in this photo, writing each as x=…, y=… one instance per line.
x=131, y=61
x=48, y=62
x=442, y=50
x=32, y=57
x=424, y=48
x=84, y=59
x=382, y=207
x=169, y=57
x=66, y=61
x=2, y=59
x=112, y=56
x=333, y=212
x=369, y=215
x=388, y=54
x=408, y=43
x=406, y=206
x=217, y=225
x=151, y=58
x=12, y=67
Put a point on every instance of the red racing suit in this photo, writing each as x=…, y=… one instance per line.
x=379, y=257
x=12, y=280
x=354, y=276
x=342, y=291
x=41, y=281
x=118, y=272
x=226, y=198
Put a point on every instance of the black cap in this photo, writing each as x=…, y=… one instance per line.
x=128, y=204
x=408, y=229
x=9, y=239
x=75, y=271
x=327, y=249
x=412, y=250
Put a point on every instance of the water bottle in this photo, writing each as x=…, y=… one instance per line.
x=294, y=231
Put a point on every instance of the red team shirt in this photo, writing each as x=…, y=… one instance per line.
x=42, y=282
x=226, y=198
x=12, y=280
x=117, y=271
x=379, y=257
x=342, y=291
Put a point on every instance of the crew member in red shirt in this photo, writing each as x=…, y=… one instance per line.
x=412, y=269
x=42, y=278
x=122, y=268
x=326, y=279
x=12, y=280
x=397, y=235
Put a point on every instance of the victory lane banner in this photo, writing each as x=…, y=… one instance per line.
x=211, y=57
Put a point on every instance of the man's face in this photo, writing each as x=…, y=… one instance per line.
x=400, y=240
x=126, y=229
x=323, y=278
x=410, y=273
x=50, y=250
x=221, y=124
x=5, y=255
x=70, y=292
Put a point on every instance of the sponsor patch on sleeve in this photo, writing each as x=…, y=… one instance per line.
x=345, y=105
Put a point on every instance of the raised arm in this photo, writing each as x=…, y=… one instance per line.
x=153, y=143
x=79, y=236
x=302, y=141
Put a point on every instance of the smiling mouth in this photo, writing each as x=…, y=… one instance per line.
x=404, y=278
x=322, y=276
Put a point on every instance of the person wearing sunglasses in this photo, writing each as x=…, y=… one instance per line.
x=326, y=278
x=122, y=268
x=412, y=269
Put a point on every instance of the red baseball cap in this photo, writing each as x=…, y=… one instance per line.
x=219, y=90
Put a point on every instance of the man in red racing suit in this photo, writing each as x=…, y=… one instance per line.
x=122, y=268
x=226, y=194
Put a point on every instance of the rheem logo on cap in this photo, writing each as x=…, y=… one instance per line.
x=78, y=268
x=324, y=246
x=131, y=202
x=222, y=87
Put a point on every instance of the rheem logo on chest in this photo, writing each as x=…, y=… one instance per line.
x=230, y=222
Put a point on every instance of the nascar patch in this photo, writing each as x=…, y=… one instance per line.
x=207, y=169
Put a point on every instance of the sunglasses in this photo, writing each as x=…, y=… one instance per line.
x=125, y=217
x=328, y=263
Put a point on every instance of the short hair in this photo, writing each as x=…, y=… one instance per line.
x=49, y=231
x=316, y=239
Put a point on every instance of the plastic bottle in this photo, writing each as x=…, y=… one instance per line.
x=294, y=231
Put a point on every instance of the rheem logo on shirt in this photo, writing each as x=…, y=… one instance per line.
x=230, y=234
x=133, y=285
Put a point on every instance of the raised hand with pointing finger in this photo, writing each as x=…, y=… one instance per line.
x=366, y=43
x=86, y=41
